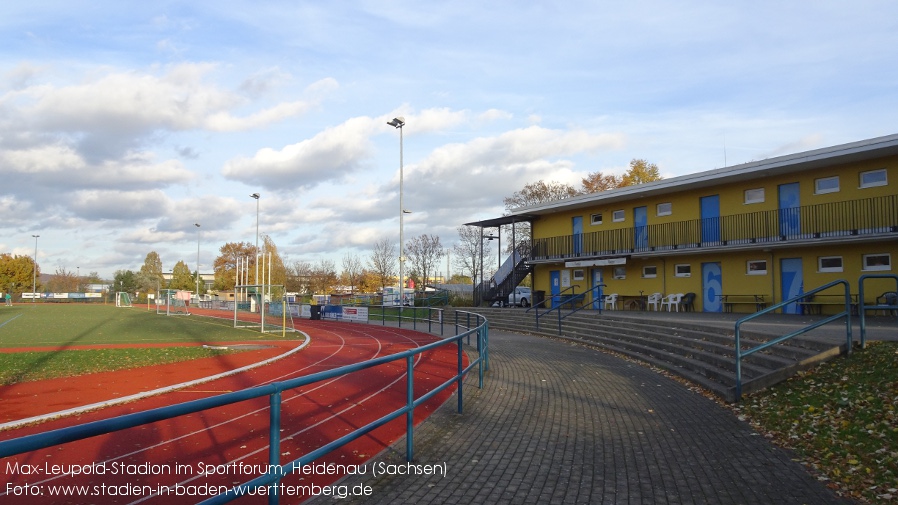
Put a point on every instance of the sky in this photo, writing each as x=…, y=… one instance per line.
x=123, y=124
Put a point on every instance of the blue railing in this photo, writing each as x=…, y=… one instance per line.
x=740, y=353
x=273, y=391
x=863, y=307
x=573, y=300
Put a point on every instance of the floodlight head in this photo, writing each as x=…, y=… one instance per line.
x=196, y=224
x=397, y=122
x=406, y=211
x=255, y=195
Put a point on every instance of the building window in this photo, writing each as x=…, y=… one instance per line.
x=754, y=195
x=665, y=209
x=618, y=216
x=829, y=264
x=826, y=185
x=578, y=275
x=874, y=178
x=595, y=219
x=682, y=270
x=650, y=272
x=877, y=262
x=757, y=267
x=620, y=272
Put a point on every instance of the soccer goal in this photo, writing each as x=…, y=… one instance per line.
x=172, y=302
x=122, y=299
x=263, y=306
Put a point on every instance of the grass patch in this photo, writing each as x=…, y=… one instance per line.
x=840, y=418
x=31, y=366
x=76, y=324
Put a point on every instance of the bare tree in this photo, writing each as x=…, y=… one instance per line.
x=323, y=277
x=383, y=262
x=467, y=252
x=424, y=253
x=352, y=269
x=299, y=277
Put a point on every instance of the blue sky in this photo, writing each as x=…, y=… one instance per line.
x=124, y=123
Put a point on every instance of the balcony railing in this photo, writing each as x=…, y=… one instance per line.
x=872, y=216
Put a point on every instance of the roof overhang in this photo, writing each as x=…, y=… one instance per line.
x=504, y=220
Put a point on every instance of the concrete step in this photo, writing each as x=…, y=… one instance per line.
x=702, y=354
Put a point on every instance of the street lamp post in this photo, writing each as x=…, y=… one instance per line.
x=256, y=260
x=34, y=273
x=197, y=262
x=398, y=123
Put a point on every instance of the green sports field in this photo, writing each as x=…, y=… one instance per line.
x=67, y=326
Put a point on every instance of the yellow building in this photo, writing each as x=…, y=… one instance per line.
x=736, y=238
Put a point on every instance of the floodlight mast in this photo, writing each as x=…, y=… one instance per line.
x=34, y=272
x=398, y=123
x=197, y=263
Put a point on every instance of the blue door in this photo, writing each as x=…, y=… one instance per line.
x=640, y=222
x=792, y=279
x=789, y=203
x=597, y=295
x=712, y=287
x=577, y=227
x=710, y=214
x=555, y=281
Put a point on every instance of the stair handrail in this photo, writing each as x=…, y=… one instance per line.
x=740, y=354
x=570, y=299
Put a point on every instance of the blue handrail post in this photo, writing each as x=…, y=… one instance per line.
x=410, y=405
x=274, y=442
x=460, y=377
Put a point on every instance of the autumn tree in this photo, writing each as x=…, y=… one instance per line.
x=181, y=278
x=382, y=262
x=639, y=172
x=275, y=270
x=225, y=264
x=424, y=253
x=17, y=273
x=63, y=281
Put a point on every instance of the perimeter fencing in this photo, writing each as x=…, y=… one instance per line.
x=465, y=324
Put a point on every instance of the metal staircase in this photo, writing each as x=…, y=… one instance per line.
x=506, y=278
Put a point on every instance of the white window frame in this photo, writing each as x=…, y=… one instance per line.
x=649, y=275
x=825, y=269
x=883, y=182
x=664, y=209
x=873, y=268
x=595, y=219
x=755, y=195
x=619, y=216
x=686, y=271
x=753, y=267
x=579, y=275
x=818, y=190
x=619, y=272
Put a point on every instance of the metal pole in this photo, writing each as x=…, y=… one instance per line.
x=197, y=263
x=34, y=273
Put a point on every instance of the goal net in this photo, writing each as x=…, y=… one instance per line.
x=263, y=306
x=172, y=302
x=122, y=299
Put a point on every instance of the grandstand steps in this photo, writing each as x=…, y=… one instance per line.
x=701, y=354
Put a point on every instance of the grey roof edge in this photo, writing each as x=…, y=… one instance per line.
x=878, y=146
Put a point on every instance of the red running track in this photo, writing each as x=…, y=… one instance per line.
x=228, y=439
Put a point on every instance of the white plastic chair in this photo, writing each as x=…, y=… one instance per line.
x=654, y=300
x=672, y=301
x=611, y=301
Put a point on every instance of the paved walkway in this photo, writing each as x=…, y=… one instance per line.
x=567, y=424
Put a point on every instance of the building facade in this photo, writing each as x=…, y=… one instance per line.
x=736, y=238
